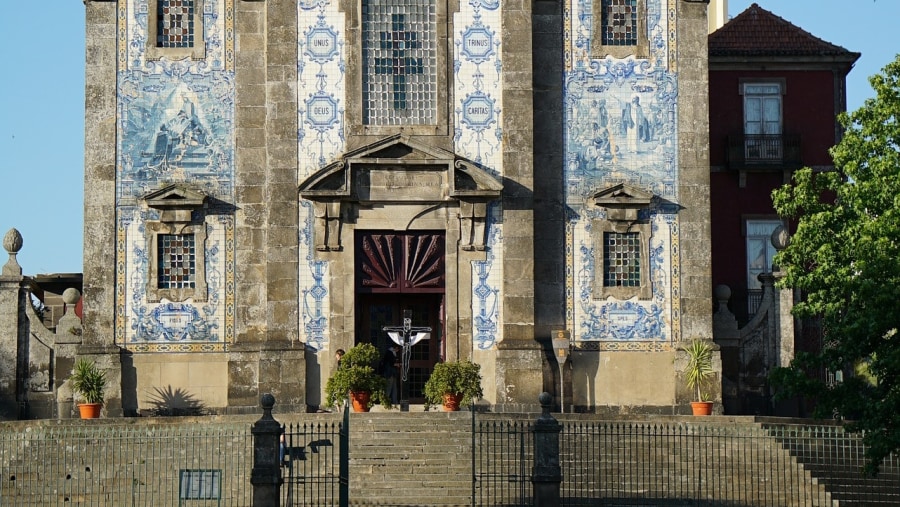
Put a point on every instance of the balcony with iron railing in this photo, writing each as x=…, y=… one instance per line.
x=764, y=152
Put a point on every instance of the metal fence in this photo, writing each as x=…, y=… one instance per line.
x=683, y=464
x=311, y=463
x=663, y=463
x=192, y=465
x=837, y=460
x=501, y=466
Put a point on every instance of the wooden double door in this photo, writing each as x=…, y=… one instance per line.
x=378, y=311
x=398, y=272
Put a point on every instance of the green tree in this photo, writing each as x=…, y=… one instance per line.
x=845, y=258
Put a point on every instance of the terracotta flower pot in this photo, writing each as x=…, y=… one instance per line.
x=702, y=407
x=89, y=410
x=360, y=400
x=451, y=402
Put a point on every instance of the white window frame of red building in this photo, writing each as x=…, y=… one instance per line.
x=760, y=253
x=763, y=117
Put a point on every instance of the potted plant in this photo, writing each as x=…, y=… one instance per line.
x=88, y=382
x=453, y=384
x=357, y=378
x=699, y=370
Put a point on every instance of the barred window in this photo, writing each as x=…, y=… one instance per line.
x=620, y=29
x=622, y=259
x=175, y=24
x=176, y=261
x=399, y=62
x=175, y=30
x=619, y=23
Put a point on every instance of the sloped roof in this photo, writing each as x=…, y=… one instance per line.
x=758, y=32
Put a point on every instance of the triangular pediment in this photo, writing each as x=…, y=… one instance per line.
x=622, y=195
x=175, y=196
x=396, y=148
x=340, y=179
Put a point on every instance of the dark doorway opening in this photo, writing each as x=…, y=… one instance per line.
x=382, y=310
x=397, y=272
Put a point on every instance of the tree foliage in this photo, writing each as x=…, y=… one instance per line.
x=845, y=258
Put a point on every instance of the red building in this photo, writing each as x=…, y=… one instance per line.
x=775, y=91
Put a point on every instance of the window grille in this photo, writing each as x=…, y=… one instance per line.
x=622, y=259
x=176, y=261
x=175, y=24
x=619, y=20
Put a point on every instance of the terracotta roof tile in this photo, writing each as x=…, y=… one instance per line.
x=758, y=32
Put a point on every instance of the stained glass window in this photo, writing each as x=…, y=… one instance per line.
x=619, y=21
x=399, y=62
x=176, y=261
x=175, y=23
x=622, y=259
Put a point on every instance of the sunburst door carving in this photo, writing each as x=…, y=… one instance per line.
x=401, y=262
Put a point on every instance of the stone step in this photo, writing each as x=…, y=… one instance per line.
x=398, y=460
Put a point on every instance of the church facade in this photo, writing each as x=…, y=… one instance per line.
x=268, y=181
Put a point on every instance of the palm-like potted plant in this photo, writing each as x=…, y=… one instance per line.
x=356, y=377
x=453, y=384
x=699, y=370
x=88, y=382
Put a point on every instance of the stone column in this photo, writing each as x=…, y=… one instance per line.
x=13, y=329
x=267, y=216
x=546, y=475
x=550, y=210
x=728, y=337
x=784, y=305
x=68, y=338
x=266, y=474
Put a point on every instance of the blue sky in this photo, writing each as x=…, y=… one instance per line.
x=42, y=109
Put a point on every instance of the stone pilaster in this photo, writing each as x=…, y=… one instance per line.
x=267, y=217
x=282, y=213
x=693, y=167
x=13, y=333
x=549, y=208
x=100, y=194
x=518, y=362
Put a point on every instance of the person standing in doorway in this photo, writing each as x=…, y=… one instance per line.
x=338, y=354
x=390, y=369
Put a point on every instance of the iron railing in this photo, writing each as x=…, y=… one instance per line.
x=311, y=461
x=837, y=459
x=655, y=461
x=91, y=465
x=683, y=464
x=503, y=451
x=747, y=151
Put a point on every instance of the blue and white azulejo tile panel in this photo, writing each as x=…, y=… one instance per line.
x=174, y=125
x=621, y=117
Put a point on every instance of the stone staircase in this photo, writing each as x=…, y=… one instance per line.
x=399, y=459
x=425, y=459
x=835, y=458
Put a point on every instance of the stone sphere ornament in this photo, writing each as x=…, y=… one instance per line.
x=780, y=238
x=71, y=296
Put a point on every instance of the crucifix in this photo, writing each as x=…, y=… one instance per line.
x=406, y=336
